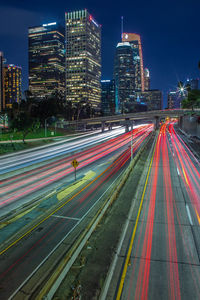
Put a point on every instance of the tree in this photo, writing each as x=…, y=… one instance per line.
x=88, y=110
x=80, y=108
x=3, y=119
x=24, y=123
x=192, y=100
x=69, y=110
x=44, y=109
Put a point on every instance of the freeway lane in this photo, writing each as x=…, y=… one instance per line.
x=46, y=204
x=22, y=159
x=22, y=258
x=160, y=255
x=188, y=167
x=30, y=182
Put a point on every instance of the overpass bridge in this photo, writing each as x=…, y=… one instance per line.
x=128, y=119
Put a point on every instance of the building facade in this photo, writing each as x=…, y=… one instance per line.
x=13, y=84
x=46, y=60
x=173, y=100
x=83, y=59
x=193, y=84
x=108, y=97
x=135, y=42
x=124, y=76
x=146, y=79
x=153, y=99
x=2, y=91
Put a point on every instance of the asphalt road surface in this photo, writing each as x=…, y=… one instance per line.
x=29, y=184
x=160, y=254
x=28, y=251
x=22, y=159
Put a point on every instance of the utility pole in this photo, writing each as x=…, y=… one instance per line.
x=45, y=127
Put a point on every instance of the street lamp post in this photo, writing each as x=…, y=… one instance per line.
x=45, y=127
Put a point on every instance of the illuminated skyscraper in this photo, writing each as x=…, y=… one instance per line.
x=108, y=97
x=12, y=81
x=146, y=79
x=83, y=58
x=193, y=84
x=46, y=60
x=124, y=75
x=135, y=42
x=2, y=93
x=173, y=100
x=153, y=99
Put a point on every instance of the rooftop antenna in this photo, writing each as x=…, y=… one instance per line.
x=122, y=26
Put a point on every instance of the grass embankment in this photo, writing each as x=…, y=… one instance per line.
x=40, y=133
x=13, y=146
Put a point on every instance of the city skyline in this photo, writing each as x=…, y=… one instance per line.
x=166, y=52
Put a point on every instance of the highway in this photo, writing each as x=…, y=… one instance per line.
x=29, y=184
x=23, y=159
x=159, y=257
x=43, y=229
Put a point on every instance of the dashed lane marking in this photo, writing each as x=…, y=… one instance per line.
x=63, y=217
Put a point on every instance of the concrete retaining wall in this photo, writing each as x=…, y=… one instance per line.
x=191, y=125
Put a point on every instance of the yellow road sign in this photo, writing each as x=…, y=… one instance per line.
x=75, y=163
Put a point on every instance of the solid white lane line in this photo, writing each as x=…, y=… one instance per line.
x=189, y=214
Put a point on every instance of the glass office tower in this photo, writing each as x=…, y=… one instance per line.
x=146, y=79
x=193, y=84
x=2, y=93
x=153, y=99
x=46, y=60
x=83, y=58
x=108, y=97
x=124, y=75
x=135, y=42
x=173, y=100
x=13, y=83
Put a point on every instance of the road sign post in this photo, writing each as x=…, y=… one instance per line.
x=75, y=164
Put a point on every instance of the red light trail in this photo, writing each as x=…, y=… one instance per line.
x=25, y=184
x=161, y=198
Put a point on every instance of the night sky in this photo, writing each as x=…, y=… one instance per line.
x=170, y=33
